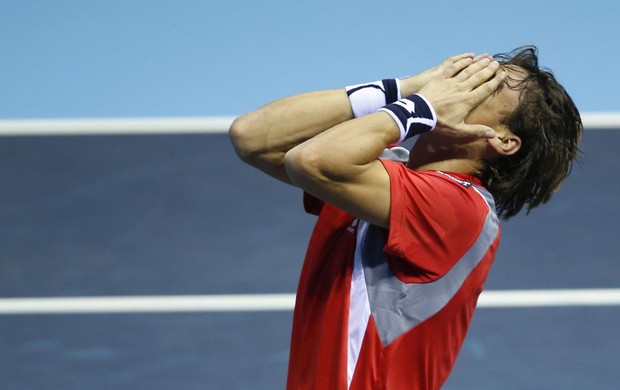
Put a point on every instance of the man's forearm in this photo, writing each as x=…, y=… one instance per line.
x=262, y=137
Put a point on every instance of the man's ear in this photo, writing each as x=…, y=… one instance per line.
x=506, y=144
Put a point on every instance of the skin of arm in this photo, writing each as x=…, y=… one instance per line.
x=261, y=138
x=312, y=141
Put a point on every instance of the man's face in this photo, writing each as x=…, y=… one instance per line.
x=496, y=108
x=433, y=147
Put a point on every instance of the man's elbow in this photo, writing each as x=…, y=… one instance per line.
x=306, y=166
x=243, y=136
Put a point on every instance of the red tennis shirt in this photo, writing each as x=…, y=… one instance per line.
x=388, y=309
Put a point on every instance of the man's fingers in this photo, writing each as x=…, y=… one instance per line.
x=450, y=61
x=487, y=88
x=454, y=65
x=477, y=72
x=482, y=75
x=483, y=131
x=458, y=57
x=481, y=56
x=457, y=67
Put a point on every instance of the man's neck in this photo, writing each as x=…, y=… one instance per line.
x=465, y=166
x=464, y=157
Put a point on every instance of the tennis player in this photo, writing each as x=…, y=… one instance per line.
x=404, y=241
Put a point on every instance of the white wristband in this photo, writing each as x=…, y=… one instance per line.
x=370, y=97
x=414, y=115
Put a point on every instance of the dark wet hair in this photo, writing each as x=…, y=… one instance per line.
x=550, y=128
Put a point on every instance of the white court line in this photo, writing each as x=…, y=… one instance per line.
x=280, y=302
x=115, y=126
x=549, y=298
x=184, y=125
x=145, y=304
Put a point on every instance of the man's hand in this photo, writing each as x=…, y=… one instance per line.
x=456, y=87
x=413, y=84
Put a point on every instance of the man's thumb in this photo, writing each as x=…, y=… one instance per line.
x=482, y=131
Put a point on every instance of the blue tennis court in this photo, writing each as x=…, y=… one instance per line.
x=179, y=215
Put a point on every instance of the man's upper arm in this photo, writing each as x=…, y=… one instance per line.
x=364, y=194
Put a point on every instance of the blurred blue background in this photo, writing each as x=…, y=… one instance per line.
x=87, y=58
x=129, y=215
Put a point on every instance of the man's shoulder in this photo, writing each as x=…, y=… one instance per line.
x=437, y=178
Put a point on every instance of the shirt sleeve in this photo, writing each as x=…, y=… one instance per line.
x=312, y=204
x=434, y=220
